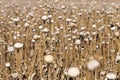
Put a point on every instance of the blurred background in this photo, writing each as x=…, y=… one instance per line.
x=42, y=1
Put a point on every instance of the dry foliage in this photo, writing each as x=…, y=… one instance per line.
x=60, y=41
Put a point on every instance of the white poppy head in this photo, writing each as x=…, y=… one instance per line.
x=118, y=58
x=73, y=71
x=82, y=28
x=117, y=33
x=59, y=17
x=49, y=16
x=52, y=21
x=40, y=27
x=113, y=28
x=16, y=19
x=10, y=49
x=48, y=58
x=7, y=64
x=26, y=24
x=93, y=64
x=31, y=14
x=77, y=41
x=18, y=45
x=94, y=33
x=81, y=33
x=14, y=75
x=36, y=36
x=63, y=7
x=79, y=14
x=94, y=26
x=111, y=76
x=68, y=20
x=45, y=30
x=44, y=17
x=33, y=40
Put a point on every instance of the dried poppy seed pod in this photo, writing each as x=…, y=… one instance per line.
x=7, y=64
x=68, y=20
x=110, y=76
x=117, y=34
x=73, y=71
x=77, y=42
x=93, y=64
x=44, y=18
x=16, y=20
x=26, y=24
x=10, y=49
x=36, y=36
x=94, y=26
x=63, y=7
x=15, y=75
x=18, y=45
x=113, y=28
x=82, y=28
x=48, y=58
x=45, y=30
x=117, y=57
x=49, y=16
x=60, y=17
x=40, y=27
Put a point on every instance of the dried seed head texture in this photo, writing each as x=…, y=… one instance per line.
x=59, y=40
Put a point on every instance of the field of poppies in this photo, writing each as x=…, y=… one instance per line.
x=59, y=40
